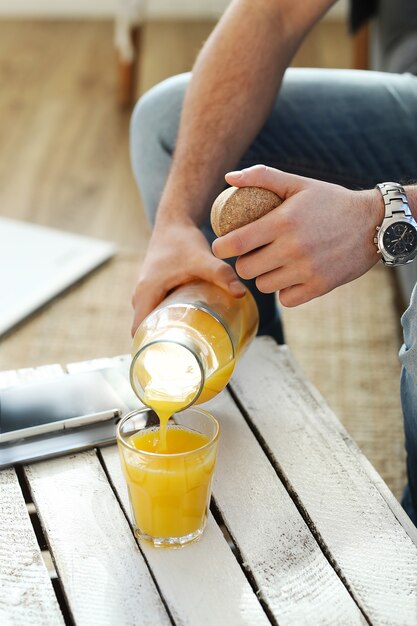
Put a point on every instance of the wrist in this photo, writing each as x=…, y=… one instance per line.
x=377, y=206
x=370, y=212
x=184, y=203
x=411, y=191
x=169, y=217
x=375, y=209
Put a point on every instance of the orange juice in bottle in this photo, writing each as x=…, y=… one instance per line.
x=185, y=351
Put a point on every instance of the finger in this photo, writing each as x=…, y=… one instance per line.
x=145, y=299
x=282, y=183
x=148, y=295
x=224, y=276
x=260, y=261
x=280, y=278
x=296, y=295
x=247, y=238
x=296, y=283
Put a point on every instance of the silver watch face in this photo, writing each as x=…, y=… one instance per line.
x=400, y=239
x=397, y=240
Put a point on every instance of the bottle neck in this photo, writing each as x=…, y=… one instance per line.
x=168, y=375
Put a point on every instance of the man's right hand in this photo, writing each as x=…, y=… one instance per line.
x=177, y=254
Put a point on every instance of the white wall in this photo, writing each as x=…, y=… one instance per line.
x=108, y=8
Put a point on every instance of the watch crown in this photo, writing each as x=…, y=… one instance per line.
x=378, y=228
x=375, y=239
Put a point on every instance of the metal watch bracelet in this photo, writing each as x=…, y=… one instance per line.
x=395, y=199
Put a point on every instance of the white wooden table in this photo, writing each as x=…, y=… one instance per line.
x=302, y=529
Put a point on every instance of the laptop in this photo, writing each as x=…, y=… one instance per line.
x=37, y=263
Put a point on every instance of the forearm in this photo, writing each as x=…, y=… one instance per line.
x=234, y=84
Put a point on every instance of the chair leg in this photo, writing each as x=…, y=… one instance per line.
x=128, y=71
x=360, y=49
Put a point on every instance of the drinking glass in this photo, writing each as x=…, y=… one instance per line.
x=169, y=491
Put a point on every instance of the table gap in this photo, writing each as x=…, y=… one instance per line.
x=49, y=564
x=46, y=553
x=238, y=555
x=296, y=500
x=62, y=601
x=40, y=537
x=33, y=514
x=24, y=485
x=113, y=488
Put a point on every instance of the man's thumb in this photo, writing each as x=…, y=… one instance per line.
x=280, y=182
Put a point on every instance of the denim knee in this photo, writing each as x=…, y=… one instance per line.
x=157, y=112
x=145, y=112
x=153, y=131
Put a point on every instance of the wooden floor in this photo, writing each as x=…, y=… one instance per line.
x=64, y=162
x=63, y=142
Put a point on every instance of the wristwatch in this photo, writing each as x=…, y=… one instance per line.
x=396, y=238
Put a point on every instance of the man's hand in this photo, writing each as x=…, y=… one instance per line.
x=177, y=254
x=320, y=237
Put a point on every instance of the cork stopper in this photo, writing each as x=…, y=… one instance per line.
x=238, y=206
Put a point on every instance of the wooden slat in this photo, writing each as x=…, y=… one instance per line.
x=291, y=572
x=202, y=583
x=383, y=489
x=105, y=578
x=26, y=592
x=313, y=453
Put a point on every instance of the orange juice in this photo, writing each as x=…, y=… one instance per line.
x=169, y=491
x=165, y=406
x=164, y=410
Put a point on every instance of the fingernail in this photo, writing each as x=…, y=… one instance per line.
x=235, y=174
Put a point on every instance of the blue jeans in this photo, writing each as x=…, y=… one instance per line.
x=342, y=126
x=408, y=357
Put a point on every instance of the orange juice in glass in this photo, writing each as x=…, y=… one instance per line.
x=169, y=486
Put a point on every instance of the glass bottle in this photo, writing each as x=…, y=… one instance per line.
x=185, y=351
